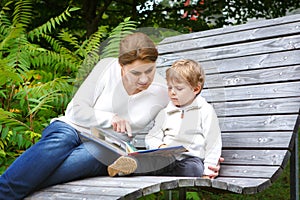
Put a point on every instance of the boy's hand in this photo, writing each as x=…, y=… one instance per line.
x=216, y=169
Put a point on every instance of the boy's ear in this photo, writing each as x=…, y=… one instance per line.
x=197, y=89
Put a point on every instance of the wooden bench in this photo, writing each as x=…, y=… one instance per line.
x=253, y=81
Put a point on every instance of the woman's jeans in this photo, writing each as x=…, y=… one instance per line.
x=60, y=156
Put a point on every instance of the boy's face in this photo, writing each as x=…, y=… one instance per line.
x=181, y=93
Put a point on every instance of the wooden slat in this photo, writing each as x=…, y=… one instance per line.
x=255, y=157
x=232, y=29
x=242, y=185
x=258, y=107
x=120, y=182
x=258, y=123
x=67, y=196
x=268, y=140
x=258, y=171
x=234, y=51
x=259, y=61
x=110, y=188
x=233, y=37
x=113, y=192
x=281, y=74
x=264, y=91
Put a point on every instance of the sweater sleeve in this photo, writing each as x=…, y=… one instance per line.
x=80, y=110
x=213, y=143
x=155, y=136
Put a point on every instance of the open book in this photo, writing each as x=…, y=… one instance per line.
x=121, y=144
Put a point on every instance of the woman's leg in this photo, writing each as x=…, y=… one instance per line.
x=83, y=162
x=36, y=164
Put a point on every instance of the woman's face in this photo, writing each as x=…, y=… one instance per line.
x=138, y=75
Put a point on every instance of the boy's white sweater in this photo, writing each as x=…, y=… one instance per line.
x=198, y=131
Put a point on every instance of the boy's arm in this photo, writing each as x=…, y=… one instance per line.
x=213, y=144
x=154, y=138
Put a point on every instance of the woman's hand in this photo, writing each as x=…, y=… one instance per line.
x=121, y=125
x=216, y=169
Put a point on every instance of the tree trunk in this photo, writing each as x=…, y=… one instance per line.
x=90, y=14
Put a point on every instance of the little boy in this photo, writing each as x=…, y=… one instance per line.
x=188, y=120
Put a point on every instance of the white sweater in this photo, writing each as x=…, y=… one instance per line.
x=198, y=131
x=102, y=95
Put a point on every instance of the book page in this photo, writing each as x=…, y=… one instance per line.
x=121, y=144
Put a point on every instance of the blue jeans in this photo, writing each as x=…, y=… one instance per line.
x=60, y=156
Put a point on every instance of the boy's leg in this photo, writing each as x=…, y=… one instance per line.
x=153, y=165
x=192, y=166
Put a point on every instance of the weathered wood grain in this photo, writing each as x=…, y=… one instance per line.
x=243, y=185
x=254, y=157
x=259, y=140
x=45, y=195
x=247, y=62
x=235, y=50
x=258, y=123
x=227, y=38
x=264, y=91
x=249, y=77
x=233, y=29
x=258, y=107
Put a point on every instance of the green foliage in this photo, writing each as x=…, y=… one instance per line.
x=39, y=68
x=115, y=37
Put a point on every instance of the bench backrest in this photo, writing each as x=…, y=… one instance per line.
x=253, y=82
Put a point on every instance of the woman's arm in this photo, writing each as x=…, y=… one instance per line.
x=80, y=110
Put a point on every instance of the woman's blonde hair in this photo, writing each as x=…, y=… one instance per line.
x=187, y=70
x=137, y=46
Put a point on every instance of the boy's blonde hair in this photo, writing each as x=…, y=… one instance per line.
x=187, y=70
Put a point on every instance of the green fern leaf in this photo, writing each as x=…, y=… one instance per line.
x=124, y=28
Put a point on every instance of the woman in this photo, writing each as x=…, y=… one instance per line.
x=124, y=94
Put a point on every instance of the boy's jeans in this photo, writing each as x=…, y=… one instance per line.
x=58, y=157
